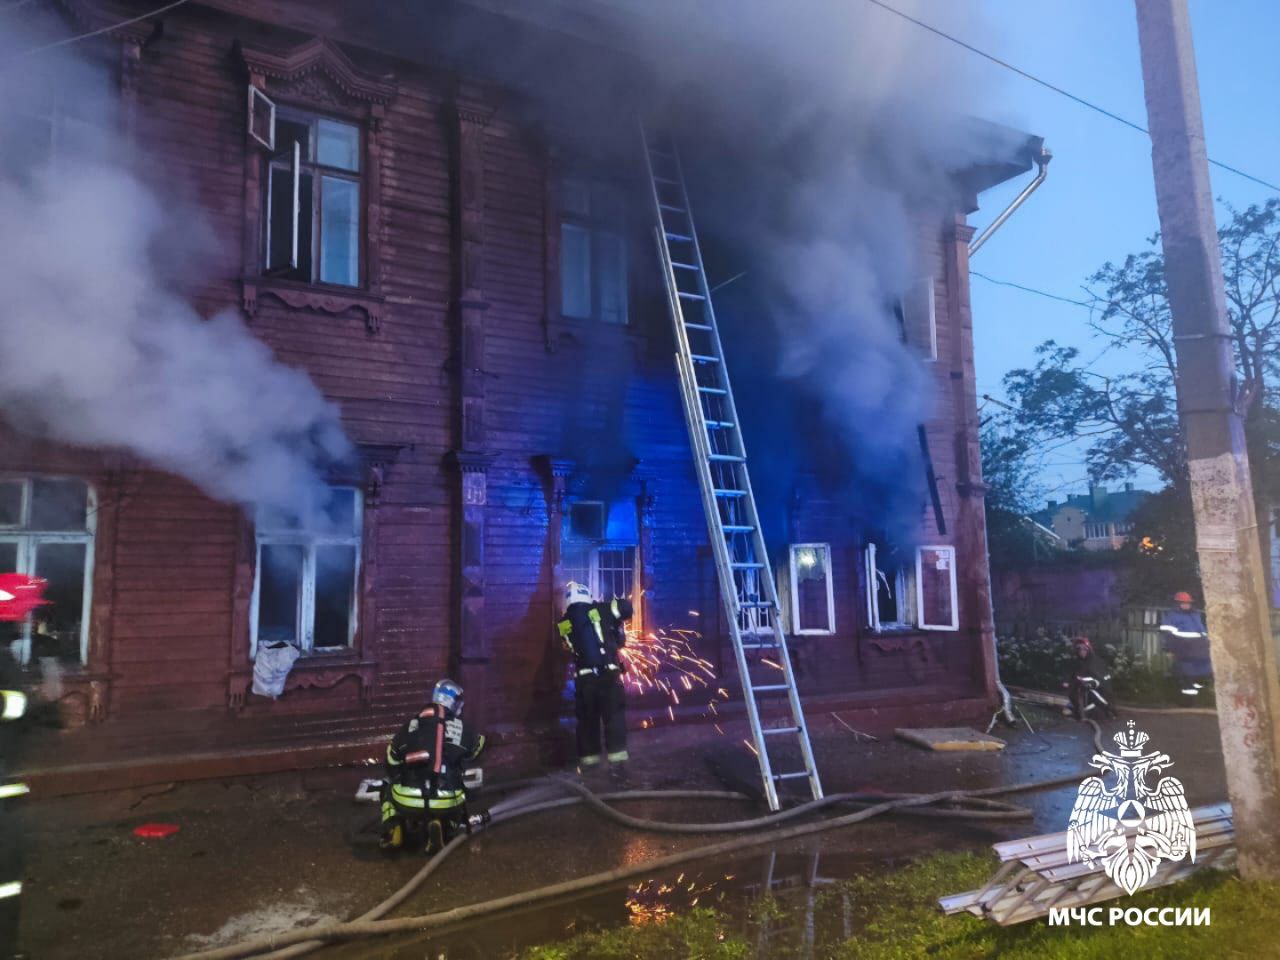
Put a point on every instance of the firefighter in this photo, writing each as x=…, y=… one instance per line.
x=1187, y=642
x=1089, y=681
x=425, y=765
x=595, y=634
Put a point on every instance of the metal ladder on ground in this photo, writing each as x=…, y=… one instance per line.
x=720, y=458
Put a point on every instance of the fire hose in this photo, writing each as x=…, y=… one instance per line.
x=297, y=942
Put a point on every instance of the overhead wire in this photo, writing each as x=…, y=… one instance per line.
x=65, y=41
x=1054, y=87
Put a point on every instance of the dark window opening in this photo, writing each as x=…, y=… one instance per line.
x=593, y=251
x=314, y=201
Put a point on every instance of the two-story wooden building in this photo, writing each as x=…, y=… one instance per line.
x=482, y=300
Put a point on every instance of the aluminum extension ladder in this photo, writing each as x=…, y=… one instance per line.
x=746, y=579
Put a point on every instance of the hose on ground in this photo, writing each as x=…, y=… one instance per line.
x=293, y=943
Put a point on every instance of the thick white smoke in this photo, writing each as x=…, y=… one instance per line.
x=99, y=347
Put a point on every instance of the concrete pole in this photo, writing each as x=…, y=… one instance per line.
x=1244, y=662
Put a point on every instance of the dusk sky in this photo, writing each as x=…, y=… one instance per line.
x=1098, y=203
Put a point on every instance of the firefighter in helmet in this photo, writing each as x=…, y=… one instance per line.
x=1186, y=640
x=595, y=634
x=425, y=765
x=1088, y=682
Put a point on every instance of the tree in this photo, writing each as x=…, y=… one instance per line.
x=1130, y=419
x=1009, y=474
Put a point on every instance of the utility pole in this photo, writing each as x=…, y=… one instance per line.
x=1244, y=660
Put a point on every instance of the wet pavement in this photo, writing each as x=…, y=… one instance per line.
x=274, y=852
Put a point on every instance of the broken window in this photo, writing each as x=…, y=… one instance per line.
x=593, y=251
x=307, y=577
x=47, y=530
x=936, y=592
x=598, y=548
x=889, y=593
x=919, y=318
x=812, y=592
x=314, y=200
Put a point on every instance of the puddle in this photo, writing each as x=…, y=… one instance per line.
x=807, y=909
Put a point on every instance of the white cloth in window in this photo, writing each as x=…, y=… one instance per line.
x=271, y=668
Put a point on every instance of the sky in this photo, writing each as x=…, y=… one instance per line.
x=1098, y=203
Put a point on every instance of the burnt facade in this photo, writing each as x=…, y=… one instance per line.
x=485, y=307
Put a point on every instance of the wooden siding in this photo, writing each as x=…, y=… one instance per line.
x=555, y=387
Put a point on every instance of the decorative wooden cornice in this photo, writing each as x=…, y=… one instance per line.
x=471, y=461
x=320, y=56
x=308, y=296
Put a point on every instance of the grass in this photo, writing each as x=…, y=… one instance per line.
x=897, y=918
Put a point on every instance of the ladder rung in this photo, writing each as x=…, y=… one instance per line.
x=771, y=688
x=757, y=604
x=761, y=646
x=681, y=237
x=691, y=296
x=736, y=528
x=666, y=180
x=720, y=424
x=699, y=326
x=791, y=776
x=665, y=155
x=771, y=731
x=671, y=208
x=703, y=358
x=747, y=566
x=726, y=458
x=716, y=391
x=724, y=492
x=684, y=266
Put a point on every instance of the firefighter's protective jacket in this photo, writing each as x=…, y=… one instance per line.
x=427, y=757
x=595, y=632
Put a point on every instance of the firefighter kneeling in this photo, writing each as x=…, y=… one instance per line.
x=595, y=633
x=425, y=765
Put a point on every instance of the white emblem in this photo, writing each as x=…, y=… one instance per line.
x=1127, y=826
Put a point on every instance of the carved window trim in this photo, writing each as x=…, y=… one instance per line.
x=319, y=78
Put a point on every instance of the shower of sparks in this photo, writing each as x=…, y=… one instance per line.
x=751, y=746
x=767, y=662
x=667, y=662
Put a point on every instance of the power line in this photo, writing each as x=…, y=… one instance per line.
x=1025, y=289
x=1056, y=89
x=101, y=30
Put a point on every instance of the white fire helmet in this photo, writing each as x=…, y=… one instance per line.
x=575, y=592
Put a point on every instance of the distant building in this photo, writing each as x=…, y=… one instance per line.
x=1097, y=520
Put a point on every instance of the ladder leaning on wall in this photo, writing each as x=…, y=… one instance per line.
x=746, y=579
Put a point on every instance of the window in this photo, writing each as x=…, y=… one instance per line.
x=919, y=319
x=598, y=547
x=812, y=593
x=307, y=577
x=1095, y=531
x=46, y=530
x=936, y=593
x=593, y=251
x=313, y=201
x=889, y=593
x=58, y=115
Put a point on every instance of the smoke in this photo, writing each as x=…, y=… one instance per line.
x=102, y=346
x=823, y=140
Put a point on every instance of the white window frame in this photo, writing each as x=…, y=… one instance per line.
x=593, y=548
x=296, y=164
x=923, y=293
x=795, y=593
x=950, y=552
x=29, y=541
x=309, y=541
x=901, y=590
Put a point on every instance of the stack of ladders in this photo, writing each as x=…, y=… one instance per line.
x=746, y=579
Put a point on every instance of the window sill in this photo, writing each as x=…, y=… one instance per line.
x=321, y=297
x=310, y=671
